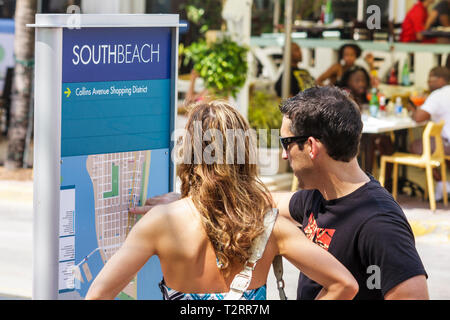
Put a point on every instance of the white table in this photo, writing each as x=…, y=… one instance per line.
x=380, y=125
x=373, y=125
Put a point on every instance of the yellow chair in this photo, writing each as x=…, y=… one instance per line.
x=427, y=160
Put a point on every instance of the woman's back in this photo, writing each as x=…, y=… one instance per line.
x=187, y=256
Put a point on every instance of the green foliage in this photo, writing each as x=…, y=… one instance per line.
x=222, y=65
x=264, y=113
x=203, y=14
x=308, y=9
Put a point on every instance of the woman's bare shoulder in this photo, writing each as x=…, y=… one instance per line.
x=180, y=209
x=174, y=216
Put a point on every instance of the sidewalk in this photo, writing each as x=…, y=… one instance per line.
x=16, y=239
x=432, y=231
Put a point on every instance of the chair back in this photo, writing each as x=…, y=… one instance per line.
x=434, y=130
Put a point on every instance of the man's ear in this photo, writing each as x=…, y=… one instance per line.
x=313, y=148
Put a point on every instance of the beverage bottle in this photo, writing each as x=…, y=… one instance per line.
x=398, y=106
x=393, y=77
x=382, y=106
x=328, y=12
x=322, y=14
x=405, y=74
x=374, y=103
x=390, y=108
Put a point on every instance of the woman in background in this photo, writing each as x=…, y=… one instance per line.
x=348, y=54
x=357, y=81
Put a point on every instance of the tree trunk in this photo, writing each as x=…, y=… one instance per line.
x=22, y=83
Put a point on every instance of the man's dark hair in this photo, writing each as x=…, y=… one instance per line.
x=329, y=114
x=441, y=72
x=354, y=46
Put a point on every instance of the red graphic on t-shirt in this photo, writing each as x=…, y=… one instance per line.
x=320, y=236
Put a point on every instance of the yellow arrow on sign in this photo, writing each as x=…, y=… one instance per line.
x=68, y=92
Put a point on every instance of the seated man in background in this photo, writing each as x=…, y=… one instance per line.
x=435, y=108
x=300, y=78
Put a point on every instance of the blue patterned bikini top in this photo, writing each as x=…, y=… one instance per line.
x=171, y=294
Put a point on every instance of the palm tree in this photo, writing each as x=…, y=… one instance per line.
x=22, y=83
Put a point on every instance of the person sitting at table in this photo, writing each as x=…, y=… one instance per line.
x=435, y=108
x=357, y=81
x=415, y=22
x=301, y=79
x=348, y=54
x=439, y=16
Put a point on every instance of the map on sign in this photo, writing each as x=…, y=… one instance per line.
x=97, y=192
x=120, y=181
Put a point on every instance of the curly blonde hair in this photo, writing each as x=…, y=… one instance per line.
x=230, y=197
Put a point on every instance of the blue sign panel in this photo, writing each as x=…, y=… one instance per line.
x=116, y=90
x=115, y=146
x=108, y=54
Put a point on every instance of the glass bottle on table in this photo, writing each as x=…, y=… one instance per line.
x=329, y=12
x=398, y=107
x=393, y=77
x=405, y=74
x=390, y=109
x=374, y=104
x=382, y=109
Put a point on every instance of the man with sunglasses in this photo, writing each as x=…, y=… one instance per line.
x=338, y=206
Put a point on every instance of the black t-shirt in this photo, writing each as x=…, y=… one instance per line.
x=443, y=8
x=366, y=231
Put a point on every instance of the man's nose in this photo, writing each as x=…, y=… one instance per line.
x=284, y=154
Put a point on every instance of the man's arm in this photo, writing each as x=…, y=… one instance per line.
x=418, y=114
x=282, y=200
x=412, y=289
x=316, y=263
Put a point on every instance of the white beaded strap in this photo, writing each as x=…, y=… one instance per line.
x=243, y=279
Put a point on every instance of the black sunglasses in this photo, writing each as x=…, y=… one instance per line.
x=285, y=142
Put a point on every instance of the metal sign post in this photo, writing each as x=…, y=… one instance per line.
x=105, y=101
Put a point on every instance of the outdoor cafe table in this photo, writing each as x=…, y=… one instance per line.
x=394, y=124
x=388, y=124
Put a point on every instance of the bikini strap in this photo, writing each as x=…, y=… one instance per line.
x=242, y=280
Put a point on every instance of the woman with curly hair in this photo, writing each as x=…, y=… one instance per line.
x=208, y=236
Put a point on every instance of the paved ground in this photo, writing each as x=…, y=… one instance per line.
x=432, y=232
